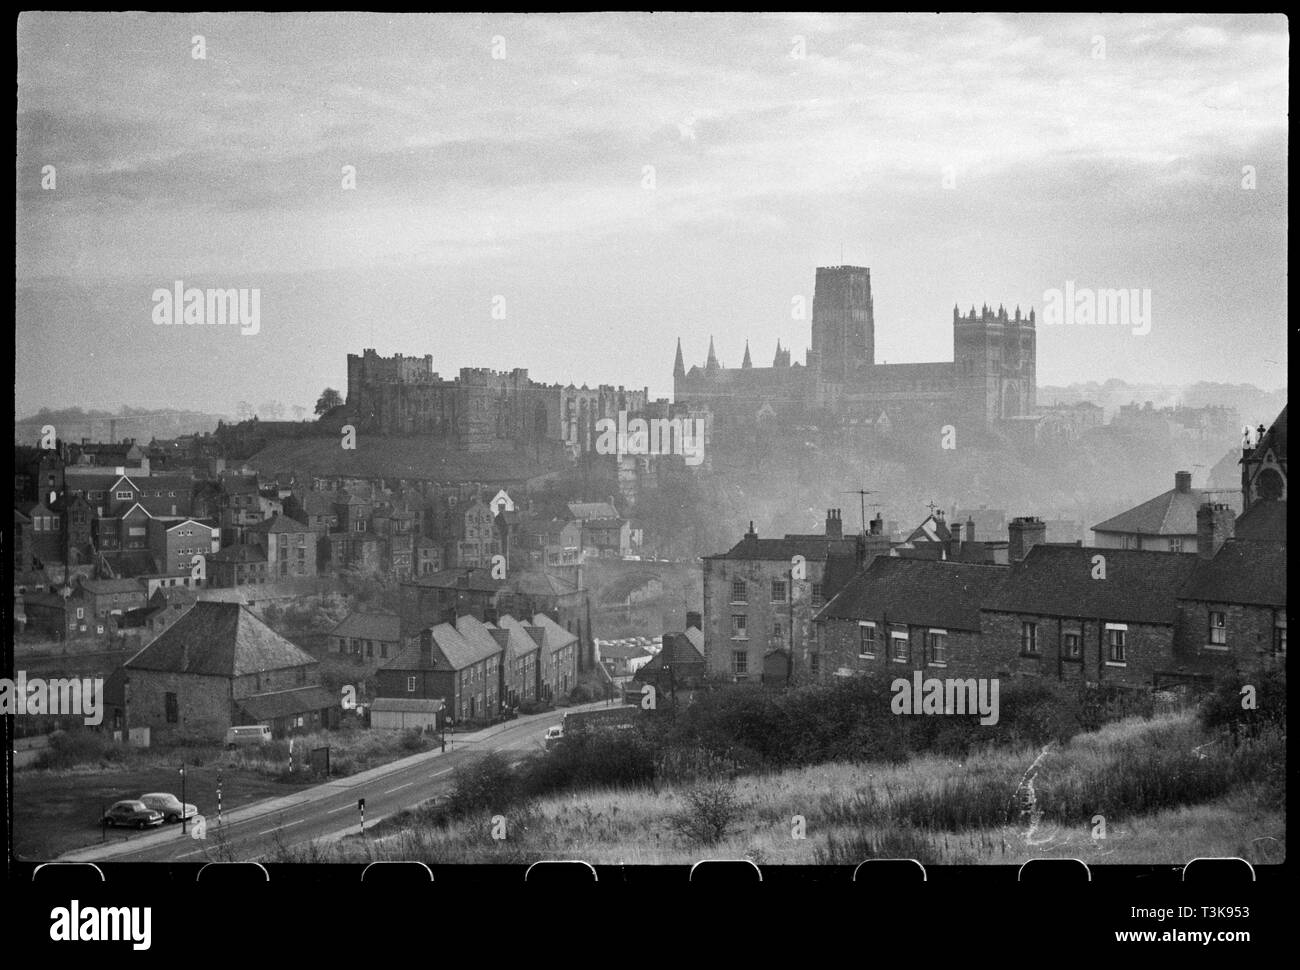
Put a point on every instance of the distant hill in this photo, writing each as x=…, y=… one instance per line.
x=406, y=456
x=1254, y=405
x=142, y=424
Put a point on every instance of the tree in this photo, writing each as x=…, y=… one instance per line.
x=328, y=400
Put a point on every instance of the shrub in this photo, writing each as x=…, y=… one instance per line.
x=412, y=740
x=709, y=812
x=591, y=759
x=486, y=783
x=1223, y=707
x=582, y=694
x=71, y=748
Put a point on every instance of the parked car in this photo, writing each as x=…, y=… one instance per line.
x=170, y=806
x=243, y=734
x=553, y=734
x=131, y=814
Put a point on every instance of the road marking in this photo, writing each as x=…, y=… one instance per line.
x=341, y=808
x=278, y=827
x=188, y=854
x=437, y=773
x=399, y=788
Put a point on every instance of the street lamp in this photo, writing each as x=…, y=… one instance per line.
x=184, y=817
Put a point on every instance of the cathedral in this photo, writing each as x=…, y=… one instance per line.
x=990, y=379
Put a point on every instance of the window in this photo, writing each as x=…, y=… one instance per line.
x=356, y=646
x=866, y=639
x=818, y=597
x=1029, y=639
x=778, y=591
x=410, y=685
x=1072, y=645
x=125, y=496
x=1217, y=635
x=1116, y=637
x=81, y=612
x=739, y=627
x=1175, y=545
x=901, y=645
x=173, y=711
x=738, y=594
x=1279, y=634
x=1127, y=542
x=814, y=664
x=739, y=662
x=937, y=645
x=383, y=650
x=776, y=630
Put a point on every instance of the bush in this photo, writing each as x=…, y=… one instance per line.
x=710, y=810
x=412, y=740
x=71, y=748
x=486, y=783
x=1223, y=707
x=582, y=694
x=590, y=759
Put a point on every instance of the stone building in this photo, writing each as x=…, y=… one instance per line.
x=991, y=378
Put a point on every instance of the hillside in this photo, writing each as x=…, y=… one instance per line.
x=407, y=456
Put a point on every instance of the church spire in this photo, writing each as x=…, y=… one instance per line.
x=746, y=362
x=679, y=366
x=712, y=362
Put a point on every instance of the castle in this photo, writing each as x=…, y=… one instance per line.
x=481, y=409
x=991, y=377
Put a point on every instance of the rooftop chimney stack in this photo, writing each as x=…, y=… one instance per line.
x=970, y=528
x=1183, y=482
x=1024, y=533
x=834, y=525
x=1215, y=525
x=751, y=534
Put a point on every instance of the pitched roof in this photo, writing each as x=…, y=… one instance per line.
x=457, y=651
x=408, y=705
x=1140, y=586
x=283, y=703
x=219, y=639
x=1251, y=573
x=101, y=587
x=238, y=553
x=279, y=524
x=521, y=641
x=478, y=635
x=933, y=529
x=1274, y=438
x=535, y=583
x=923, y=592
x=1265, y=521
x=478, y=580
x=677, y=649
x=810, y=547
x=369, y=626
x=556, y=636
x=1171, y=513
x=592, y=510
x=696, y=636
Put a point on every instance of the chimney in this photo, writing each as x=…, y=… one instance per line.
x=970, y=528
x=693, y=619
x=954, y=544
x=426, y=648
x=834, y=526
x=1025, y=532
x=1215, y=524
x=877, y=525
x=1183, y=482
x=751, y=534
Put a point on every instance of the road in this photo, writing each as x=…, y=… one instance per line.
x=331, y=809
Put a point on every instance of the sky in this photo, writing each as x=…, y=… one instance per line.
x=573, y=193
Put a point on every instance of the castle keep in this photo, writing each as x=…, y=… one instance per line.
x=991, y=377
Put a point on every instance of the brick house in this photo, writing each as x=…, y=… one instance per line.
x=369, y=635
x=109, y=596
x=290, y=547
x=237, y=565
x=677, y=666
x=903, y=614
x=558, y=661
x=1166, y=523
x=521, y=659
x=754, y=605
x=218, y=666
x=440, y=663
x=1051, y=618
x=175, y=542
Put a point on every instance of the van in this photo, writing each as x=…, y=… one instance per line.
x=553, y=735
x=248, y=734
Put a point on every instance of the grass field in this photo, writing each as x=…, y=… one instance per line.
x=1156, y=791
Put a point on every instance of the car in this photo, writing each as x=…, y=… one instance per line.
x=553, y=734
x=131, y=814
x=170, y=806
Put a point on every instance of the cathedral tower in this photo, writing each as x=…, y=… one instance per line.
x=843, y=323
